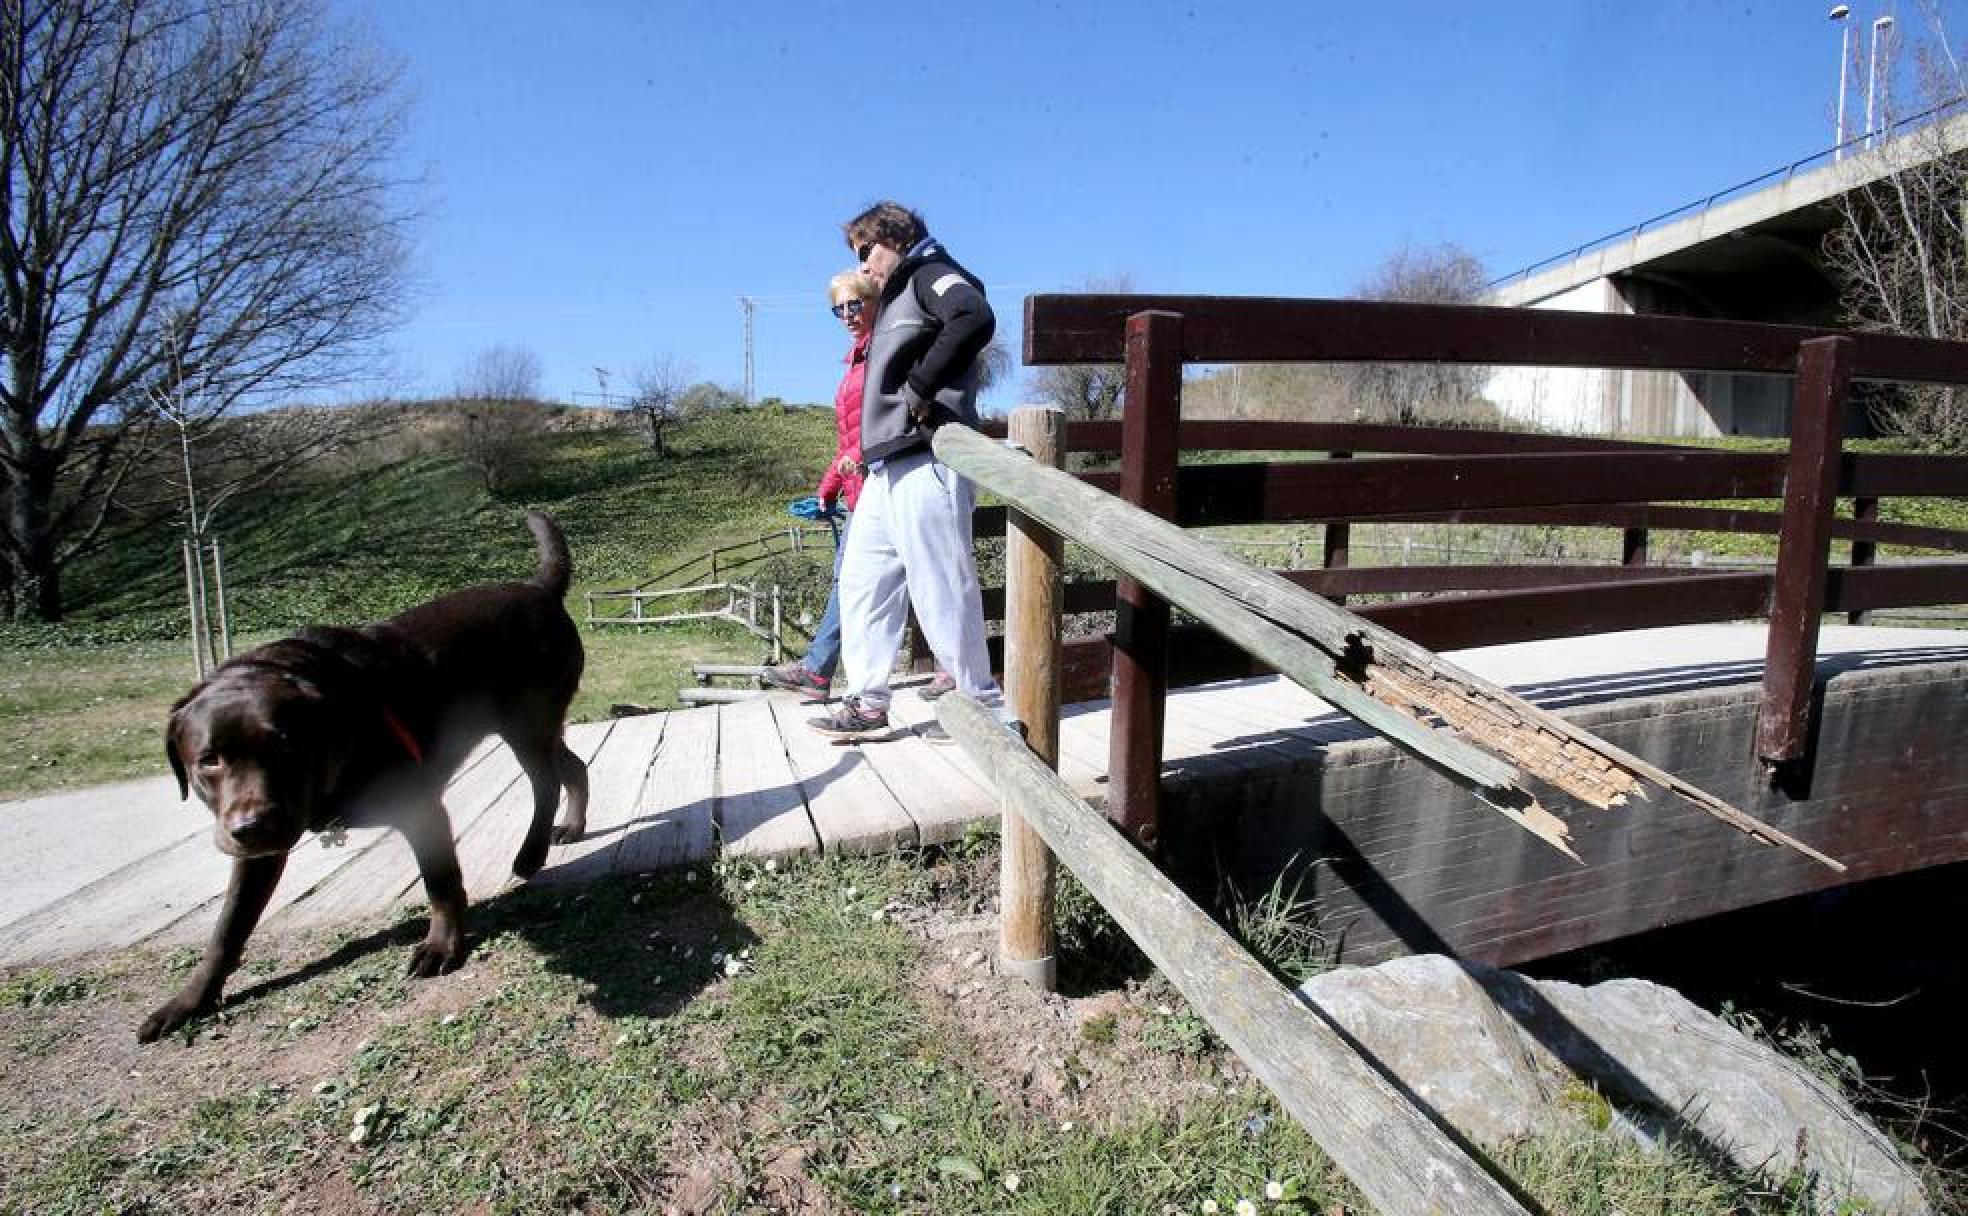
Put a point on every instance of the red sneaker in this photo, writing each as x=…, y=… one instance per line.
x=794, y=677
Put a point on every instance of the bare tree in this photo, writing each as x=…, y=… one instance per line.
x=657, y=399
x=1900, y=254
x=1089, y=391
x=503, y=372
x=1413, y=392
x=707, y=397
x=499, y=389
x=220, y=455
x=193, y=189
x=994, y=363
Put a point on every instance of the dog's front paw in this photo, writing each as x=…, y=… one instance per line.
x=436, y=955
x=168, y=1017
x=568, y=833
x=529, y=859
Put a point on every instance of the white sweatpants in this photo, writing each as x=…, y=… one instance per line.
x=911, y=545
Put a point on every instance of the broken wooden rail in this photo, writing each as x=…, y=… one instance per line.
x=1400, y=1159
x=1492, y=742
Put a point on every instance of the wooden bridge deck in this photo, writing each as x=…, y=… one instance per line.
x=128, y=864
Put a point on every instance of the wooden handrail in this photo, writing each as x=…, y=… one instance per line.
x=1062, y=329
x=1460, y=477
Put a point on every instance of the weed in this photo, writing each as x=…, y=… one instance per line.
x=1094, y=951
x=1280, y=927
x=1101, y=1029
x=1180, y=1032
x=42, y=987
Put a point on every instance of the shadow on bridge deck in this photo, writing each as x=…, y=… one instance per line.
x=1261, y=775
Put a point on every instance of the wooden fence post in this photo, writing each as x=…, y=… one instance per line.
x=191, y=609
x=778, y=628
x=225, y=618
x=1817, y=430
x=1335, y=539
x=1150, y=415
x=1633, y=547
x=1027, y=937
x=1864, y=552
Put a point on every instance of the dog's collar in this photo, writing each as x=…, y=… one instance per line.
x=403, y=736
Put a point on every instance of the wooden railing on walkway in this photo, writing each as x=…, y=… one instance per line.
x=1413, y=474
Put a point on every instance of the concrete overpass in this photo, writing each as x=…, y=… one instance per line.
x=1749, y=253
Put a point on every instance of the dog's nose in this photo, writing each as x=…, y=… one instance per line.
x=253, y=826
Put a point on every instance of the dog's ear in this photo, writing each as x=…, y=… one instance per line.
x=177, y=761
x=171, y=749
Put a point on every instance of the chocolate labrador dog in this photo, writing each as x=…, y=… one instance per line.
x=358, y=727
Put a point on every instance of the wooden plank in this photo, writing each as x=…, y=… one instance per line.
x=60, y=843
x=615, y=777
x=672, y=824
x=1392, y=1151
x=486, y=846
x=1083, y=747
x=1877, y=474
x=853, y=811
x=934, y=782
x=122, y=907
x=915, y=715
x=1667, y=518
x=1868, y=587
x=1216, y=494
x=1224, y=435
x=761, y=811
x=1225, y=329
x=383, y=874
x=1797, y=603
x=1234, y=715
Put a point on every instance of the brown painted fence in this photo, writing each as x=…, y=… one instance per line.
x=1409, y=474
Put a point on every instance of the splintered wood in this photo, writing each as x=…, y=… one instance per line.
x=1481, y=736
x=1577, y=770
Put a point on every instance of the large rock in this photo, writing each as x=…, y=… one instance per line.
x=1499, y=1056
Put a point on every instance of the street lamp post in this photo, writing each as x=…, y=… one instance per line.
x=1879, y=26
x=1839, y=13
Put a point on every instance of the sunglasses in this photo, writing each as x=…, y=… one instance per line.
x=862, y=250
x=848, y=308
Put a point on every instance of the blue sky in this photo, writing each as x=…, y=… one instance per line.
x=603, y=180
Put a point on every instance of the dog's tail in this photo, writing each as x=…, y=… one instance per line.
x=556, y=568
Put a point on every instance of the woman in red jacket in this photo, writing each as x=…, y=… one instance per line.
x=853, y=296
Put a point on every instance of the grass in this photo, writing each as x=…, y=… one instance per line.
x=84, y=702
x=752, y=1039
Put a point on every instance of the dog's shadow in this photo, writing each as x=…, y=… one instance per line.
x=638, y=945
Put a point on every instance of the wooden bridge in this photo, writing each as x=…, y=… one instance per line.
x=1852, y=747
x=130, y=864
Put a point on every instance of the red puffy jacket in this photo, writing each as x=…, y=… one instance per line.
x=847, y=426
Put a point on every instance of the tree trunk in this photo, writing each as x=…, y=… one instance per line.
x=35, y=577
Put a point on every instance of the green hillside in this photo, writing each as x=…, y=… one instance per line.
x=399, y=519
x=374, y=532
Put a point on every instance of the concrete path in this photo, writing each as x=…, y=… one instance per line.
x=129, y=863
